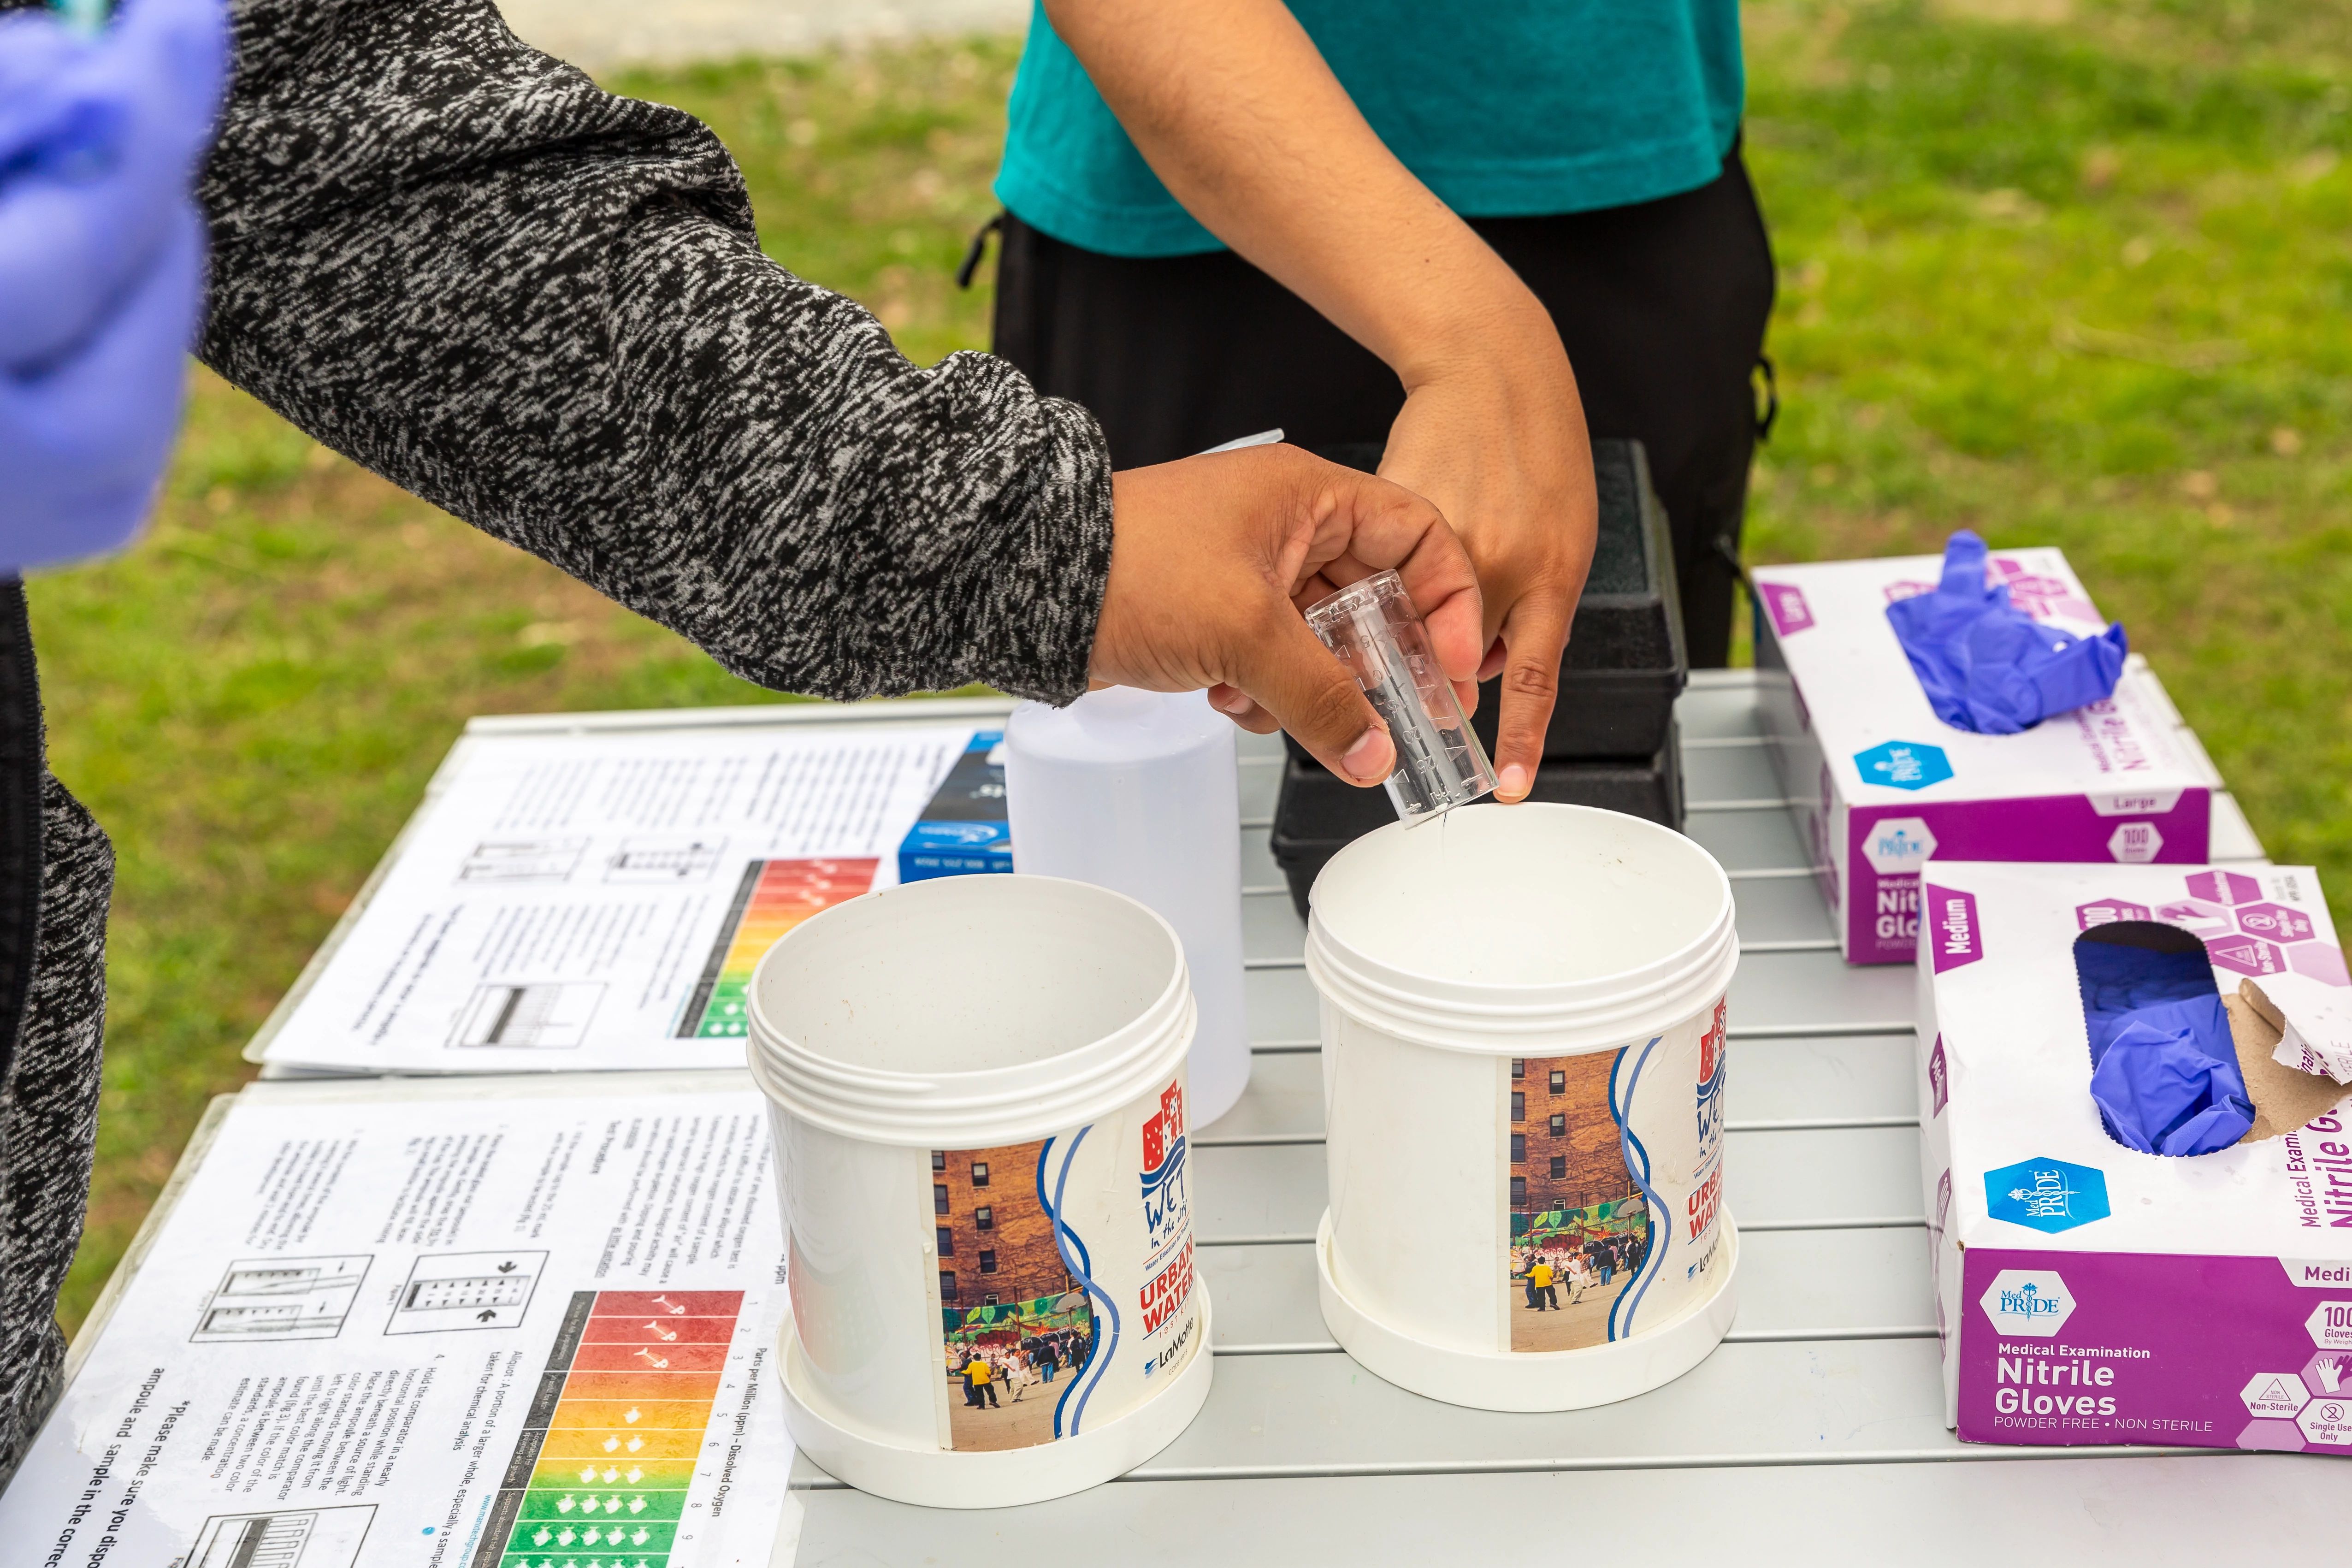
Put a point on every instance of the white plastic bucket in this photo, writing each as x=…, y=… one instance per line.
x=977, y=1089
x=1556, y=973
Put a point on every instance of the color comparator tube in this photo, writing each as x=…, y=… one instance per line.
x=1373, y=629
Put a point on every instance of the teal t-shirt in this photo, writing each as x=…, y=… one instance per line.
x=1503, y=108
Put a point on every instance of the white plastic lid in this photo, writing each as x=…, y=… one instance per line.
x=1523, y=930
x=963, y=1012
x=1118, y=724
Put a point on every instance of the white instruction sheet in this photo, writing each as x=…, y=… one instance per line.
x=502, y=1324
x=580, y=901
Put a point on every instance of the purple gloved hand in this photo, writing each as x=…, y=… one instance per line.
x=102, y=265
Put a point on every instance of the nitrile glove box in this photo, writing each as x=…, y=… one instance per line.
x=1879, y=783
x=2085, y=1292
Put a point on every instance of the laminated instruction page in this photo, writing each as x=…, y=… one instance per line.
x=439, y=1325
x=580, y=901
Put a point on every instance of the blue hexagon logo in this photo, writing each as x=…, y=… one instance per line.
x=2047, y=1195
x=1903, y=764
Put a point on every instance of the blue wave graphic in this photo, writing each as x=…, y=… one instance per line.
x=1089, y=1376
x=1637, y=1165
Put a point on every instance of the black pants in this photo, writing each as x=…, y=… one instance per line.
x=1662, y=307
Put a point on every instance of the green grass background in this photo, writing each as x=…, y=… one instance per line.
x=2066, y=273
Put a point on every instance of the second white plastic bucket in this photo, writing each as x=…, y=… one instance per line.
x=1523, y=1058
x=978, y=1094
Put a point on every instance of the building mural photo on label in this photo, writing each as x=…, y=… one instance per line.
x=1055, y=1306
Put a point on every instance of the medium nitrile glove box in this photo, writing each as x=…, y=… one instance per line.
x=1879, y=783
x=2088, y=1293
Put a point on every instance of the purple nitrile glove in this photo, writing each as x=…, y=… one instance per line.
x=102, y=265
x=1988, y=666
x=2167, y=1081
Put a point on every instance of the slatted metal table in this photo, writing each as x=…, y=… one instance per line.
x=1814, y=1434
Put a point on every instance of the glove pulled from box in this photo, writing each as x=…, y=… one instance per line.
x=2163, y=1069
x=1988, y=666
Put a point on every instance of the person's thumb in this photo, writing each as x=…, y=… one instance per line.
x=1315, y=696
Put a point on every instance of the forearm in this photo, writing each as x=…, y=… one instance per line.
x=544, y=309
x=1237, y=112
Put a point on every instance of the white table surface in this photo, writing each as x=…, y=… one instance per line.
x=1814, y=1434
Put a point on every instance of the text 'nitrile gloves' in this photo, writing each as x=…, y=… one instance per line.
x=1988, y=666
x=2164, y=1067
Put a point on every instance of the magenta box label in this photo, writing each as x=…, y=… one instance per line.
x=1886, y=845
x=2216, y=1353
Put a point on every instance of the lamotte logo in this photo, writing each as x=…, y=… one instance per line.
x=2033, y=1304
x=1952, y=937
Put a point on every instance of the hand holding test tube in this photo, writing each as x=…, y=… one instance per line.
x=1373, y=629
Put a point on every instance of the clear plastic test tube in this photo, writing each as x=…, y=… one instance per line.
x=1373, y=629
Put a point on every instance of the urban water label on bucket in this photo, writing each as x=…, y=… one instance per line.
x=771, y=899
x=1065, y=1275
x=1615, y=1184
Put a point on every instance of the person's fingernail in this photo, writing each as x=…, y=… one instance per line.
x=1371, y=758
x=1234, y=702
x=1513, y=782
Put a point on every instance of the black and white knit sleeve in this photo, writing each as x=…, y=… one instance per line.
x=544, y=309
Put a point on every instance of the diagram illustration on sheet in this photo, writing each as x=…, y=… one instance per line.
x=296, y=1538
x=282, y=1298
x=467, y=1290
x=597, y=901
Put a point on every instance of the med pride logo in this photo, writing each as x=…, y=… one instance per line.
x=1903, y=764
x=2033, y=1302
x=2047, y=1195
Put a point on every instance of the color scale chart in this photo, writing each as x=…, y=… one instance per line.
x=600, y=1472
x=774, y=897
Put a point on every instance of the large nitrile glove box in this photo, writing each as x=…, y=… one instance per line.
x=1879, y=783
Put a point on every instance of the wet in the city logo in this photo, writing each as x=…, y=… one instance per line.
x=1164, y=1205
x=1710, y=1056
x=2047, y=1195
x=2032, y=1302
